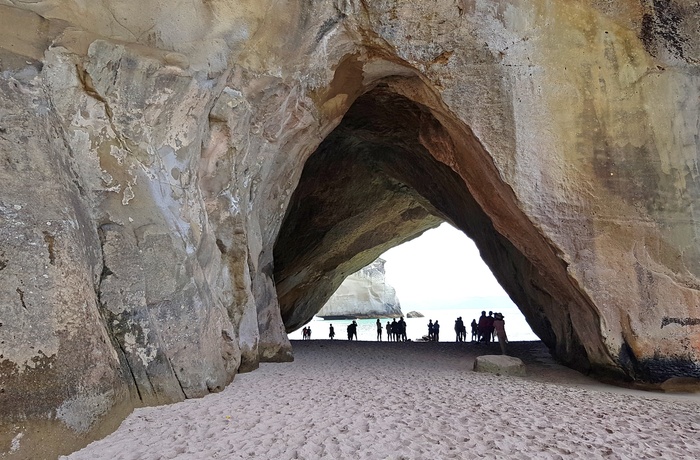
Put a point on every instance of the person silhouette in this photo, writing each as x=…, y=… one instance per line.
x=431, y=330
x=436, y=331
x=331, y=332
x=500, y=326
x=475, y=331
x=483, y=327
x=460, y=330
x=379, y=330
x=491, y=329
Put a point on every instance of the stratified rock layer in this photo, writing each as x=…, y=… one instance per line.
x=363, y=294
x=182, y=182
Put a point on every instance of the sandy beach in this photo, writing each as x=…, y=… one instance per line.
x=368, y=400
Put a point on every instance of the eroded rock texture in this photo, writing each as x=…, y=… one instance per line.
x=184, y=181
x=363, y=294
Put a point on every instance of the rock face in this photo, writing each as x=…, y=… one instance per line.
x=364, y=294
x=183, y=182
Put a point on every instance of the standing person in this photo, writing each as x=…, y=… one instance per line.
x=403, y=329
x=500, y=326
x=431, y=329
x=436, y=331
x=460, y=331
x=349, y=331
x=491, y=329
x=395, y=330
x=379, y=330
x=331, y=332
x=354, y=329
x=388, y=330
x=475, y=331
x=483, y=327
x=308, y=332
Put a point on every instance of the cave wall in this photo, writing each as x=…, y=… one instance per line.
x=162, y=143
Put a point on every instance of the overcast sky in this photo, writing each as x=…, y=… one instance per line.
x=441, y=267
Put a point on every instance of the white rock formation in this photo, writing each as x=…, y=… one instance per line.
x=365, y=293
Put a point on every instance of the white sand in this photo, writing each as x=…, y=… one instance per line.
x=343, y=400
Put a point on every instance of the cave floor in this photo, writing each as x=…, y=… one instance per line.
x=410, y=401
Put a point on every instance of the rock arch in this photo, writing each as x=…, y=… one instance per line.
x=389, y=171
x=147, y=162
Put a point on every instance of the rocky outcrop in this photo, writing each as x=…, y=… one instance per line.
x=415, y=314
x=363, y=294
x=184, y=182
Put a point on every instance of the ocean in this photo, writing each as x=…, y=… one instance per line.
x=517, y=328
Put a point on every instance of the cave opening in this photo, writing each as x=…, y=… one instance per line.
x=394, y=168
x=438, y=276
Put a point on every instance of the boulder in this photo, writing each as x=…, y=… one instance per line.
x=499, y=364
x=415, y=314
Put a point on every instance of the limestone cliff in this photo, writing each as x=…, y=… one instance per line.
x=364, y=294
x=184, y=182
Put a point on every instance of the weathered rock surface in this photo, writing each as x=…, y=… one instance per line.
x=415, y=314
x=499, y=364
x=363, y=294
x=184, y=182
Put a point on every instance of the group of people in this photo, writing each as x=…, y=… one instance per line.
x=433, y=331
x=490, y=327
x=395, y=330
x=306, y=333
x=352, y=331
x=486, y=330
x=461, y=330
